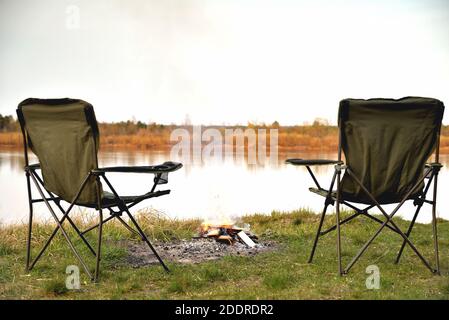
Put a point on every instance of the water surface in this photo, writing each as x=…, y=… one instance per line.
x=216, y=189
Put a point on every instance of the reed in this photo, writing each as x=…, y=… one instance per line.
x=139, y=136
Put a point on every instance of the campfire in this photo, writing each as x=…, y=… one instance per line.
x=228, y=233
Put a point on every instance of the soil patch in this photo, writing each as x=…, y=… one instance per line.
x=191, y=251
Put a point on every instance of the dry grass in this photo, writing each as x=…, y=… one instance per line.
x=314, y=138
x=298, y=138
x=11, y=139
x=444, y=144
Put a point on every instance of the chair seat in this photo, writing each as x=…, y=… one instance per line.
x=349, y=198
x=109, y=199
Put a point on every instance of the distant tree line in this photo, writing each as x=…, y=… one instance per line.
x=8, y=123
x=319, y=127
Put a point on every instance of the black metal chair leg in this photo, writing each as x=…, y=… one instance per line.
x=434, y=226
x=127, y=226
x=136, y=225
x=66, y=216
x=366, y=214
x=145, y=239
x=64, y=233
x=30, y=225
x=409, y=231
x=43, y=249
x=415, y=216
x=337, y=216
x=55, y=231
x=323, y=214
x=345, y=220
x=96, y=226
x=81, y=236
x=100, y=232
x=389, y=218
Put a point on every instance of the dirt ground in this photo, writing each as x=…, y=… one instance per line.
x=191, y=251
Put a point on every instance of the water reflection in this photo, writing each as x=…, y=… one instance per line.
x=210, y=189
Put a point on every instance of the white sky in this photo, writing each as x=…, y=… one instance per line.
x=223, y=61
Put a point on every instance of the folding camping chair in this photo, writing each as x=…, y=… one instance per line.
x=386, y=144
x=64, y=135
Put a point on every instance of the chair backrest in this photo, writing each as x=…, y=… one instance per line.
x=63, y=133
x=386, y=144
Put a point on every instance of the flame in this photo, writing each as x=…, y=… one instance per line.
x=218, y=219
x=205, y=226
x=215, y=224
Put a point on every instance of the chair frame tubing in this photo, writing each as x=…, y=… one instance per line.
x=48, y=197
x=32, y=175
x=431, y=173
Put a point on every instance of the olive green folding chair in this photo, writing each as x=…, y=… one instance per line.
x=386, y=145
x=64, y=135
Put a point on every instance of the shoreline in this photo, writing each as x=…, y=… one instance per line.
x=327, y=144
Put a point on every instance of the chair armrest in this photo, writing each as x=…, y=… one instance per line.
x=434, y=165
x=162, y=168
x=33, y=166
x=312, y=162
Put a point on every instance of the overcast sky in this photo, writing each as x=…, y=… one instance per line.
x=222, y=61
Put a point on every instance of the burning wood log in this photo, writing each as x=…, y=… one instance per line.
x=227, y=233
x=213, y=233
x=225, y=239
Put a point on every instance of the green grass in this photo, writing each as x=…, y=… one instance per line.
x=281, y=274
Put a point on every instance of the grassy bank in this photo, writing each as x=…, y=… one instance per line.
x=282, y=274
